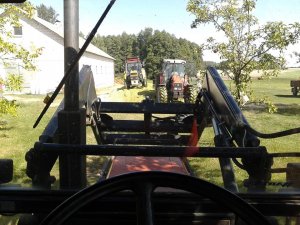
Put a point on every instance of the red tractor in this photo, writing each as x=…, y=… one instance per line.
x=173, y=83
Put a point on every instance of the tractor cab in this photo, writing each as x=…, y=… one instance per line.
x=171, y=66
x=133, y=64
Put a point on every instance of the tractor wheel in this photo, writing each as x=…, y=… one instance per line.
x=161, y=95
x=294, y=90
x=170, y=96
x=190, y=95
x=144, y=82
x=126, y=84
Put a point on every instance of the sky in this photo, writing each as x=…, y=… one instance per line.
x=132, y=16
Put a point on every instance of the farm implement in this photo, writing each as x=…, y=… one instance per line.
x=153, y=150
x=146, y=149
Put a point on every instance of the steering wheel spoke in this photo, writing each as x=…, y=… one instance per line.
x=144, y=210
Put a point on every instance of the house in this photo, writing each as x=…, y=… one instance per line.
x=36, y=32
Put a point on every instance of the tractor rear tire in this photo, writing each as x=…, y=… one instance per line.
x=161, y=95
x=190, y=95
x=294, y=91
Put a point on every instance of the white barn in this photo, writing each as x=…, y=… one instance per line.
x=38, y=33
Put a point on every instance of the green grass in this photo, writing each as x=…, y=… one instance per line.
x=277, y=89
x=18, y=136
x=287, y=116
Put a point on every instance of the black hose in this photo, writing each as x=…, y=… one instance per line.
x=272, y=135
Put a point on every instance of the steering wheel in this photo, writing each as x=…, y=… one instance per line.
x=143, y=185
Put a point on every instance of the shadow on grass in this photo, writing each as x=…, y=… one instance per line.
x=148, y=93
x=6, y=128
x=287, y=96
x=94, y=168
x=20, y=177
x=121, y=88
x=282, y=109
x=288, y=110
x=9, y=220
x=133, y=87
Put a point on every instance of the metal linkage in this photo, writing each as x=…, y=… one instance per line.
x=163, y=151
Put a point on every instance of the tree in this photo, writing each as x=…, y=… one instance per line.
x=47, y=13
x=247, y=45
x=142, y=40
x=12, y=53
x=151, y=46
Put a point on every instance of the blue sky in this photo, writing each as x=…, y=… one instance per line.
x=132, y=16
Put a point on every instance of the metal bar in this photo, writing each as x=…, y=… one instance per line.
x=285, y=154
x=21, y=200
x=164, y=151
x=139, y=126
x=225, y=163
x=154, y=136
x=226, y=109
x=142, y=138
x=146, y=107
x=138, y=141
x=71, y=47
x=71, y=121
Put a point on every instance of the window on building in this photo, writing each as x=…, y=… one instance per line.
x=18, y=31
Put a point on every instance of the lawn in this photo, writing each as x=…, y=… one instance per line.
x=18, y=136
x=278, y=89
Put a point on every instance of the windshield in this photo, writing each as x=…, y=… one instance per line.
x=232, y=118
x=133, y=66
x=170, y=68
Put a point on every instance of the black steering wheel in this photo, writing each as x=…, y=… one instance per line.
x=143, y=185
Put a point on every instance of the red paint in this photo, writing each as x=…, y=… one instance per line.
x=127, y=164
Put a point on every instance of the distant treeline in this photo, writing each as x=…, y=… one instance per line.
x=152, y=46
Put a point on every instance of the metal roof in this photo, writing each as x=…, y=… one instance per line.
x=59, y=31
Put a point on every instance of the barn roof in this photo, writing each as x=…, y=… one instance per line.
x=59, y=31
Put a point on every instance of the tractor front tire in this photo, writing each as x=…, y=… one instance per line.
x=161, y=95
x=190, y=95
